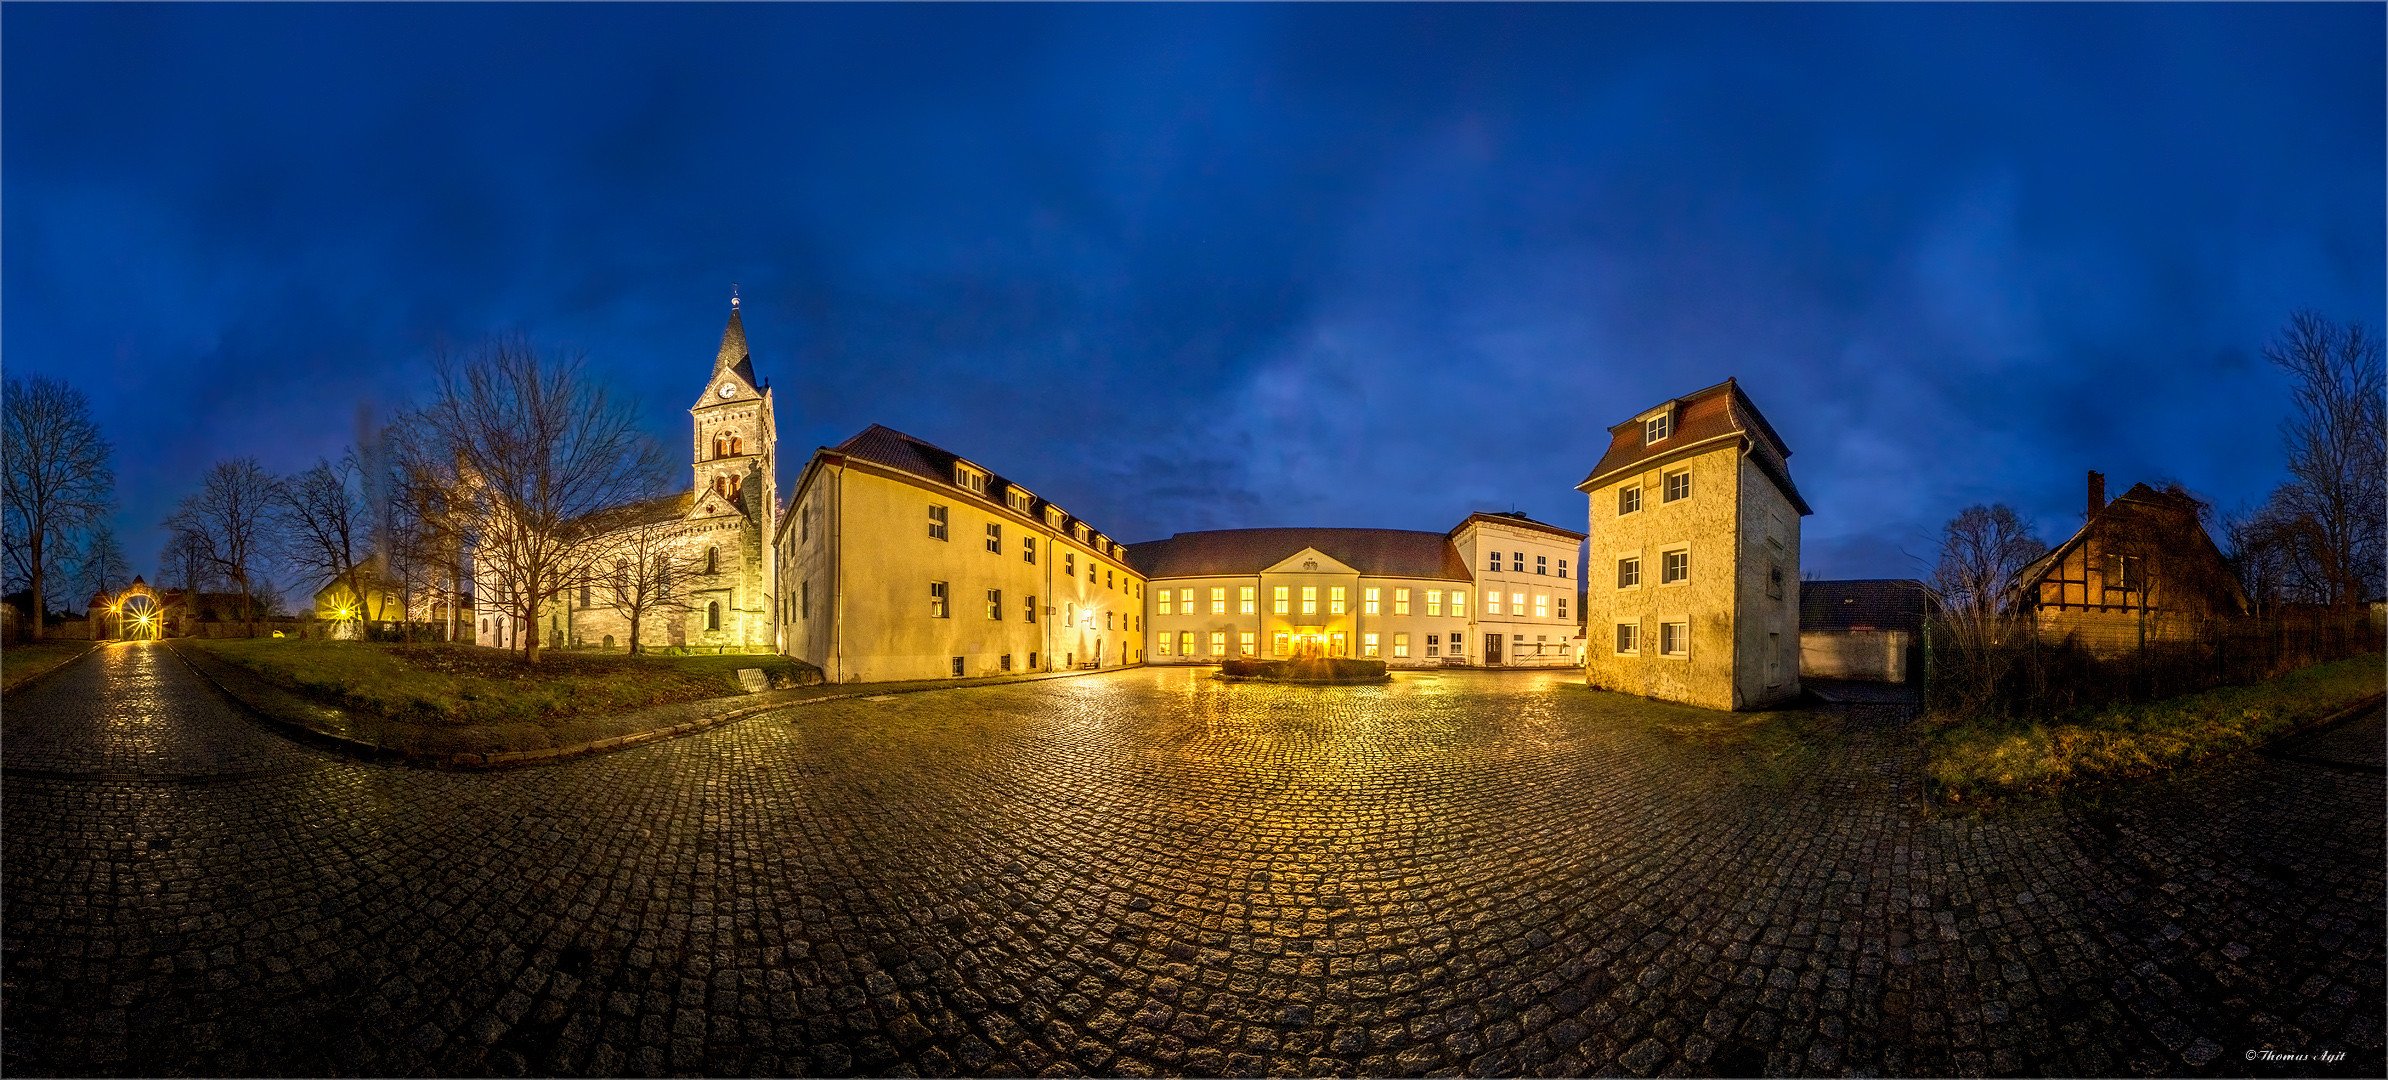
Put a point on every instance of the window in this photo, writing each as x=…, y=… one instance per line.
x=1069, y=564
x=1654, y=428
x=1492, y=603
x=1401, y=601
x=1078, y=531
x=1542, y=564
x=1107, y=580
x=1369, y=604
x=1434, y=644
x=1562, y=568
x=1629, y=499
x=1279, y=644
x=1107, y=620
x=1674, y=639
x=588, y=594
x=1028, y=614
x=1517, y=603
x=1675, y=568
x=1219, y=601
x=1459, y=644
x=1053, y=520
x=971, y=479
x=995, y=537
x=1090, y=571
x=1335, y=600
x=1218, y=643
x=1434, y=602
x=1368, y=644
x=936, y=599
x=2124, y=572
x=1028, y=549
x=1278, y=599
x=1517, y=562
x=1249, y=643
x=1629, y=572
x=1018, y=499
x=1629, y=638
x=1185, y=600
x=1775, y=532
x=1166, y=607
x=712, y=560
x=1495, y=563
x=1032, y=661
x=995, y=604
x=1678, y=485
x=1562, y=605
x=1459, y=606
x=936, y=522
x=713, y=615
x=1247, y=599
x=957, y=667
x=1774, y=582
x=804, y=601
x=1161, y=647
x=1185, y=643
x=1309, y=599
x=1542, y=605
x=1006, y=662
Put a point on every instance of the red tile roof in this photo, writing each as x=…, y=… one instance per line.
x=1717, y=412
x=1373, y=552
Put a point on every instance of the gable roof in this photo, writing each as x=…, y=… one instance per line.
x=631, y=515
x=1864, y=604
x=2132, y=511
x=1243, y=552
x=1702, y=417
x=922, y=459
x=1515, y=519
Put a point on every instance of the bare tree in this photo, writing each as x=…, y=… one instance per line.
x=229, y=524
x=1982, y=550
x=647, y=575
x=56, y=478
x=2328, y=522
x=536, y=445
x=322, y=527
x=102, y=567
x=185, y=559
x=430, y=519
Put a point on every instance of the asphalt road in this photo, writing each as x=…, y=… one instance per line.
x=1146, y=872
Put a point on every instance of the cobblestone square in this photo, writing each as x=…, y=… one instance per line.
x=1147, y=872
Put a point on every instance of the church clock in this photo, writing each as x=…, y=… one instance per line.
x=729, y=390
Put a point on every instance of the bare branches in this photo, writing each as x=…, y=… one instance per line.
x=323, y=527
x=533, y=446
x=102, y=568
x=1982, y=550
x=641, y=574
x=227, y=525
x=2323, y=530
x=55, y=477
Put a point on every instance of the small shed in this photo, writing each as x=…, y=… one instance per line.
x=1870, y=629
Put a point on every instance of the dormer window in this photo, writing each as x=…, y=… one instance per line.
x=1054, y=517
x=1655, y=428
x=1018, y=499
x=1078, y=531
x=970, y=478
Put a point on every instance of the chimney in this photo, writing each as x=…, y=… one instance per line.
x=2097, y=494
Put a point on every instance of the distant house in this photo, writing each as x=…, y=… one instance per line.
x=2141, y=570
x=1869, y=629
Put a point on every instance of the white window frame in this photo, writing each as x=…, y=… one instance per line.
x=1401, y=646
x=1247, y=599
x=937, y=521
x=1167, y=603
x=1281, y=599
x=1656, y=429
x=1668, y=552
x=940, y=605
x=1681, y=634
x=1434, y=603
x=1370, y=602
x=1401, y=601
x=1633, y=489
x=1219, y=600
x=1666, y=485
x=1309, y=599
x=1368, y=645
x=1638, y=577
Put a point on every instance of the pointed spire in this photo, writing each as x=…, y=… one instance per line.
x=733, y=354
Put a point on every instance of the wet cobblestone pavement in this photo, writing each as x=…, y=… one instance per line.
x=1151, y=873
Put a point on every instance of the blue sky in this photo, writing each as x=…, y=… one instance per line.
x=1186, y=267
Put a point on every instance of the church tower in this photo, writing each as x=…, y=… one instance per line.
x=732, y=455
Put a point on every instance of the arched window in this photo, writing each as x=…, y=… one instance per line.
x=712, y=560
x=713, y=615
x=737, y=445
x=721, y=446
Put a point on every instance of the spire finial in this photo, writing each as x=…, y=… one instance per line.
x=733, y=294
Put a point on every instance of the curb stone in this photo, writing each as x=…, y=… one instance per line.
x=259, y=697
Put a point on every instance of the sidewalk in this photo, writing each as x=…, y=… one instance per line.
x=498, y=746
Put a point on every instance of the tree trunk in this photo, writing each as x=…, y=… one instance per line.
x=40, y=623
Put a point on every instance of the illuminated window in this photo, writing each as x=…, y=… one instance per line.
x=1541, y=564
x=936, y=599
x=1517, y=603
x=1401, y=646
x=1309, y=599
x=1029, y=615
x=1247, y=599
x=1219, y=601
x=1629, y=638
x=1368, y=644
x=1678, y=486
x=1028, y=549
x=1335, y=600
x=1434, y=602
x=1166, y=608
x=995, y=538
x=1185, y=600
x=1279, y=644
x=1162, y=646
x=1218, y=643
x=1492, y=603
x=1248, y=643
x=995, y=604
x=1629, y=499
x=1674, y=638
x=1459, y=605
x=1283, y=605
x=1675, y=567
x=1401, y=601
x=1542, y=605
x=1185, y=643
x=1368, y=602
x=1654, y=429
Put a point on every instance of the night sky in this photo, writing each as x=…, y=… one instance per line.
x=1186, y=267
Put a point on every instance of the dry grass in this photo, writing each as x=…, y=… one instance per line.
x=467, y=684
x=25, y=662
x=1984, y=763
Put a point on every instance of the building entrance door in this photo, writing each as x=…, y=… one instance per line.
x=1492, y=650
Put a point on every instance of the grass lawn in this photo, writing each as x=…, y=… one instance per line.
x=25, y=661
x=468, y=684
x=1767, y=749
x=1983, y=763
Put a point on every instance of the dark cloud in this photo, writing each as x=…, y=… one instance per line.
x=1202, y=267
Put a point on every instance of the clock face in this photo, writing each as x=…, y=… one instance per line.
x=729, y=389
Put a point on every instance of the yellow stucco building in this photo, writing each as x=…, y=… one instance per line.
x=902, y=560
x=1694, y=556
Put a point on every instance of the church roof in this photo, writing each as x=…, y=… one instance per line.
x=733, y=355
x=1400, y=553
x=632, y=515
